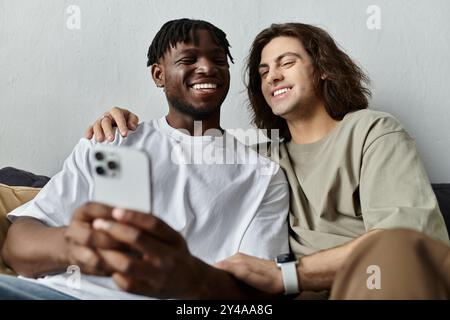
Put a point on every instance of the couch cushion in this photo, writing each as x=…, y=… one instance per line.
x=11, y=198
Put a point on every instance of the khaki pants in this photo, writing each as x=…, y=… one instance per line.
x=395, y=264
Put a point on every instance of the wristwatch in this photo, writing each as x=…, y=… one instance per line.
x=288, y=265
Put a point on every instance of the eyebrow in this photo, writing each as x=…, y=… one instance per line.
x=265, y=65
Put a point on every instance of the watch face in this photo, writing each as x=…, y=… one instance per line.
x=286, y=257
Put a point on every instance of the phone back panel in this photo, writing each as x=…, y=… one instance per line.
x=121, y=178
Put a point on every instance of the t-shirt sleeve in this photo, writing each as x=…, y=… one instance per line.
x=55, y=204
x=394, y=188
x=267, y=234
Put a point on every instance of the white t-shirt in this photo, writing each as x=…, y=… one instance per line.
x=220, y=209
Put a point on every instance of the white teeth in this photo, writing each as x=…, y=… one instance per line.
x=204, y=86
x=281, y=91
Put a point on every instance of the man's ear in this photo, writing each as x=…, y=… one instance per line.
x=158, y=75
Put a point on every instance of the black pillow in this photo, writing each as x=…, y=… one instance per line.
x=442, y=192
x=16, y=177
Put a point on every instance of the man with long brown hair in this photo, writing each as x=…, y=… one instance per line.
x=353, y=172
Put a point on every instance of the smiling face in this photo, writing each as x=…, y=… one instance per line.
x=196, y=77
x=286, y=71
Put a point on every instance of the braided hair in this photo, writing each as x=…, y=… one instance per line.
x=184, y=30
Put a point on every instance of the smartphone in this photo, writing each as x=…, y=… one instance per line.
x=121, y=177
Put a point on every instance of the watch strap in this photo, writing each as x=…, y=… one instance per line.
x=289, y=275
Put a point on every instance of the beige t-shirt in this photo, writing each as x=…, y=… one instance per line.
x=366, y=174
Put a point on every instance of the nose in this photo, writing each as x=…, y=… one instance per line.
x=274, y=75
x=206, y=66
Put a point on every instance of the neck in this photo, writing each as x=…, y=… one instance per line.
x=195, y=127
x=313, y=127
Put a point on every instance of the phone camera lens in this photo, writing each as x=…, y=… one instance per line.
x=100, y=171
x=99, y=156
x=112, y=165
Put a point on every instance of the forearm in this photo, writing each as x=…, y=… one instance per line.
x=316, y=272
x=219, y=284
x=33, y=249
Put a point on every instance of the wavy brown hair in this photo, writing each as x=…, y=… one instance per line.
x=344, y=89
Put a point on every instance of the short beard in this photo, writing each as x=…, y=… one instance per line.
x=190, y=110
